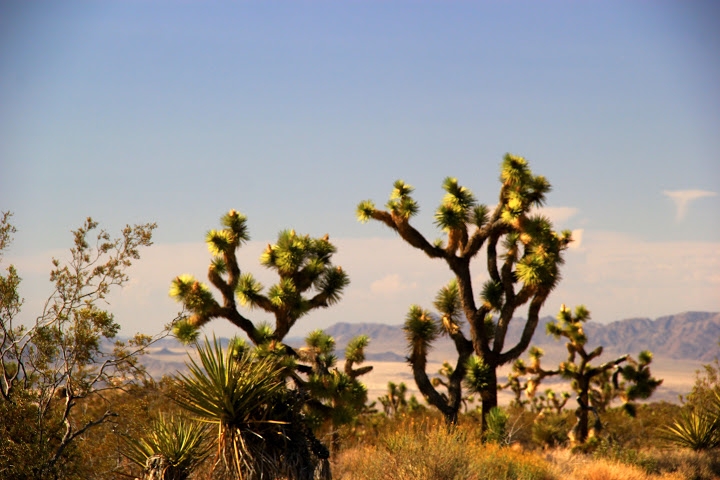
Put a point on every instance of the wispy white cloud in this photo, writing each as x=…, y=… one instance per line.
x=682, y=199
x=577, y=237
x=617, y=276
x=391, y=285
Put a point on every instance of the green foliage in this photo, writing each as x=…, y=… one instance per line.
x=694, y=430
x=477, y=375
x=260, y=430
x=420, y=330
x=338, y=397
x=592, y=383
x=395, y=401
x=53, y=370
x=447, y=302
x=178, y=445
x=698, y=426
x=365, y=210
x=497, y=426
x=307, y=280
x=551, y=430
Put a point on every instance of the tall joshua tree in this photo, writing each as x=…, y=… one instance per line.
x=308, y=281
x=523, y=252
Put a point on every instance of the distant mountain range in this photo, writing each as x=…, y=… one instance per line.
x=687, y=336
x=680, y=343
x=692, y=336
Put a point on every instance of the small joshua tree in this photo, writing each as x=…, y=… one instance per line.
x=338, y=396
x=637, y=382
x=421, y=329
x=523, y=252
x=536, y=374
x=394, y=402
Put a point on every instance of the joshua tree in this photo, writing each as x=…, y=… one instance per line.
x=637, y=382
x=395, y=402
x=523, y=259
x=421, y=329
x=338, y=396
x=308, y=281
x=536, y=374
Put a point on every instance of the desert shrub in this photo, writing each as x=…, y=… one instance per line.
x=551, y=429
x=688, y=464
x=602, y=469
x=426, y=448
x=697, y=426
x=641, y=431
x=616, y=452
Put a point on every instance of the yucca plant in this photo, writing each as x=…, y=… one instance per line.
x=260, y=430
x=696, y=429
x=172, y=449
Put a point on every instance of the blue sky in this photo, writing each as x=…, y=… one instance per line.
x=293, y=112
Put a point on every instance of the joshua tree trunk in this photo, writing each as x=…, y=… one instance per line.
x=580, y=431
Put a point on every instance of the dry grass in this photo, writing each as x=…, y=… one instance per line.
x=654, y=465
x=427, y=450
x=421, y=447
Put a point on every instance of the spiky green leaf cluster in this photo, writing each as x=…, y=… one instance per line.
x=524, y=188
x=477, y=378
x=697, y=430
x=196, y=296
x=332, y=283
x=447, y=302
x=229, y=238
x=401, y=203
x=492, y=295
x=542, y=258
x=320, y=341
x=302, y=263
x=355, y=350
x=364, y=210
x=637, y=375
x=457, y=207
x=570, y=326
x=248, y=290
x=261, y=433
x=420, y=330
x=180, y=442
x=185, y=331
x=227, y=391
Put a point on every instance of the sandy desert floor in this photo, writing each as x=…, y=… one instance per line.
x=678, y=375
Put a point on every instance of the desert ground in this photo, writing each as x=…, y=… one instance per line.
x=678, y=375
